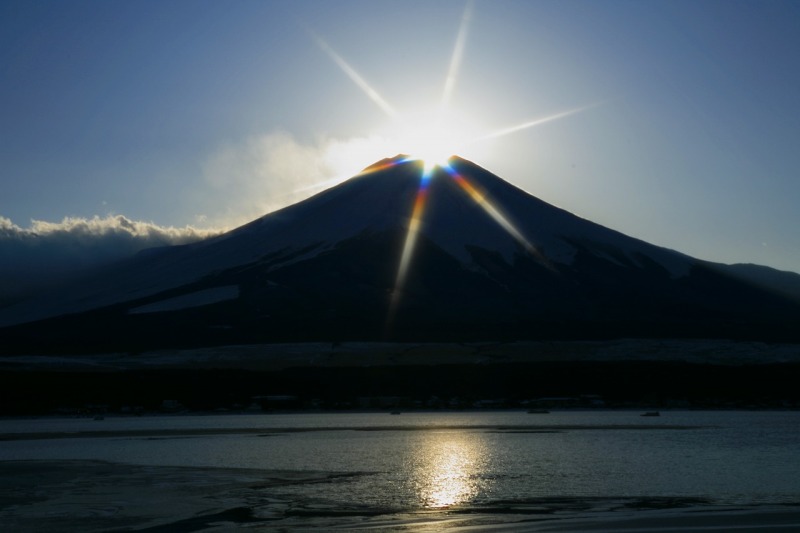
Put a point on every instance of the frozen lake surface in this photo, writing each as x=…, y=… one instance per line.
x=327, y=470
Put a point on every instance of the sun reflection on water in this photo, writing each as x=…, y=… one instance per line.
x=448, y=469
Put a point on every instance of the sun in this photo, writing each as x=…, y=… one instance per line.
x=433, y=136
x=434, y=145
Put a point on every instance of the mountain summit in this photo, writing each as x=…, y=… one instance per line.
x=398, y=253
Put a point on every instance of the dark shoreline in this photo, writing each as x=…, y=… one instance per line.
x=270, y=431
x=545, y=385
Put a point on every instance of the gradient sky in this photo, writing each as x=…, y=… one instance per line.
x=209, y=114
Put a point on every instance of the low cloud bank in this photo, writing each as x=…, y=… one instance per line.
x=47, y=252
x=243, y=180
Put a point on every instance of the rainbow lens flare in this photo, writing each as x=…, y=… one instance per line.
x=416, y=222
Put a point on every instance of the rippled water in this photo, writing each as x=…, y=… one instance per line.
x=437, y=460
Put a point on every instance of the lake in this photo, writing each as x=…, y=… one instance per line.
x=501, y=464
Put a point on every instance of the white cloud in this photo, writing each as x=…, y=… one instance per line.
x=244, y=181
x=263, y=173
x=48, y=251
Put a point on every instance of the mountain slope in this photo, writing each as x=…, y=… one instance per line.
x=489, y=261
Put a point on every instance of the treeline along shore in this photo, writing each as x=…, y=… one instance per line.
x=566, y=384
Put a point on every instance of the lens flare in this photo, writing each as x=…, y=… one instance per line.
x=493, y=211
x=415, y=226
x=412, y=232
x=383, y=164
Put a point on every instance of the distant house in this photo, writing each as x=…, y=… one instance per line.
x=277, y=401
x=171, y=406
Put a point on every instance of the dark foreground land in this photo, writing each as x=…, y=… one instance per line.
x=408, y=386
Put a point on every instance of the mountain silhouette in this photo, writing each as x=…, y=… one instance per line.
x=484, y=261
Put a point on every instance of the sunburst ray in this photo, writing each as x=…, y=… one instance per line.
x=455, y=59
x=371, y=93
x=530, y=124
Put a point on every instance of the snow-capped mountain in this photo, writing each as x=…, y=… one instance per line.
x=486, y=260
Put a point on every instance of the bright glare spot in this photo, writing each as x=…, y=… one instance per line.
x=448, y=470
x=433, y=136
x=433, y=142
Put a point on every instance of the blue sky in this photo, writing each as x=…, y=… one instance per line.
x=208, y=114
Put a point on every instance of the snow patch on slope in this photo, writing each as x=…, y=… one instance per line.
x=555, y=232
x=192, y=299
